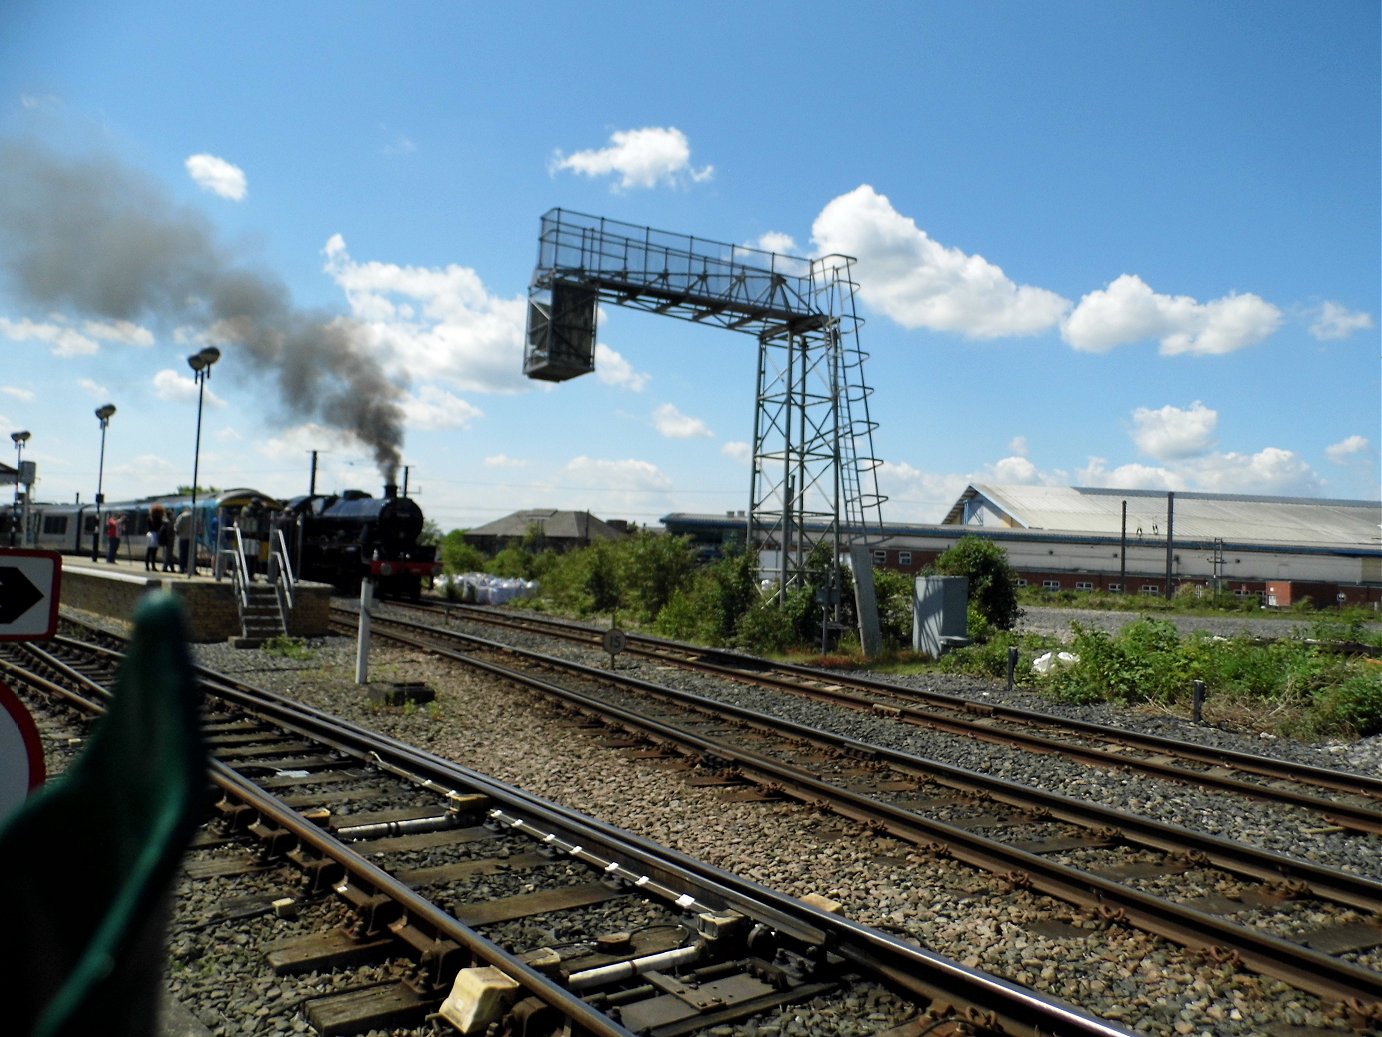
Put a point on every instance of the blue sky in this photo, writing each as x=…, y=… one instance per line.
x=1101, y=244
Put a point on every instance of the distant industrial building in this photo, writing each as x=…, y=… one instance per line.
x=547, y=528
x=1279, y=550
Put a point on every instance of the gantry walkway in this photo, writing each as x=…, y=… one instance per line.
x=813, y=459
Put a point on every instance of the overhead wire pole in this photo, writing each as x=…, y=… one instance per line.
x=812, y=450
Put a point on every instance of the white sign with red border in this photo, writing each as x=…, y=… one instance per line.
x=21, y=752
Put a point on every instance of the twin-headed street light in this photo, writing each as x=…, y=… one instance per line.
x=201, y=370
x=103, y=414
x=20, y=438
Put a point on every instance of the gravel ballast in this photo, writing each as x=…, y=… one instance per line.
x=1141, y=983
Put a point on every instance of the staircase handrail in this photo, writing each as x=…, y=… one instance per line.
x=281, y=565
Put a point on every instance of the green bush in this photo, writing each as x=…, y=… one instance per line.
x=895, y=592
x=1141, y=663
x=770, y=628
x=992, y=582
x=1147, y=661
x=459, y=557
x=1354, y=704
x=709, y=606
x=651, y=568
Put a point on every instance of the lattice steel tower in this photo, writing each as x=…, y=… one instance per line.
x=814, y=473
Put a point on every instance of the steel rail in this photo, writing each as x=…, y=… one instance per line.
x=1300, y=966
x=1263, y=865
x=748, y=669
x=418, y=909
x=924, y=974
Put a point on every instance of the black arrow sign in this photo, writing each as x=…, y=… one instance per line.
x=17, y=594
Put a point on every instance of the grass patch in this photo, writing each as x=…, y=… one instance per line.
x=289, y=647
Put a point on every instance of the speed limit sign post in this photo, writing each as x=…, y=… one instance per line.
x=614, y=641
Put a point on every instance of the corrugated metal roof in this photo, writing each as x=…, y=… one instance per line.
x=1293, y=520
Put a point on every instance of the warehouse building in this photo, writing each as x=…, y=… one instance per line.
x=1278, y=550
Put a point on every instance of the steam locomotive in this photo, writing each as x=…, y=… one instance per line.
x=330, y=539
x=339, y=539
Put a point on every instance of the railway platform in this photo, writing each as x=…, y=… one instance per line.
x=209, y=605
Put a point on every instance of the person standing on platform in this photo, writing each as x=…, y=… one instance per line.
x=182, y=529
x=151, y=550
x=165, y=541
x=115, y=528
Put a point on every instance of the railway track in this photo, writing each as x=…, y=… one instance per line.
x=1210, y=894
x=1348, y=800
x=432, y=896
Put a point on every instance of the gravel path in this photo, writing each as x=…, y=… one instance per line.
x=1057, y=622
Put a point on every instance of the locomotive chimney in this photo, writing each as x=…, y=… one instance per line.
x=390, y=490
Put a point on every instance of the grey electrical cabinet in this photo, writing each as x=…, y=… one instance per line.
x=940, y=614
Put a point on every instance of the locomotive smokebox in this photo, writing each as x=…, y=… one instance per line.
x=390, y=490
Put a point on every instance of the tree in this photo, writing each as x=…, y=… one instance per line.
x=655, y=566
x=458, y=556
x=992, y=582
x=602, y=581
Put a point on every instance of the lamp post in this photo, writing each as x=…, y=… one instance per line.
x=201, y=371
x=103, y=414
x=20, y=438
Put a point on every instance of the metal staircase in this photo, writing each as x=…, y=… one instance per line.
x=263, y=607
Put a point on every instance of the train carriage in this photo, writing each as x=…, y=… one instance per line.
x=335, y=539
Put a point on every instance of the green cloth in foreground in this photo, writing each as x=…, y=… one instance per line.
x=86, y=863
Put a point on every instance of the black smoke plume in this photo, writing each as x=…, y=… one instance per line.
x=110, y=242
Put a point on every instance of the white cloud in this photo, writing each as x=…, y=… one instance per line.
x=1129, y=311
x=918, y=496
x=442, y=320
x=218, y=176
x=66, y=341
x=673, y=424
x=124, y=331
x=1018, y=470
x=612, y=369
x=593, y=473
x=920, y=283
x=1335, y=320
x=171, y=386
x=1129, y=476
x=1271, y=470
x=94, y=389
x=432, y=407
x=1349, y=449
x=608, y=488
x=1019, y=446
x=34, y=102
x=336, y=450
x=776, y=241
x=505, y=461
x=738, y=450
x=640, y=158
x=26, y=395
x=1174, y=432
